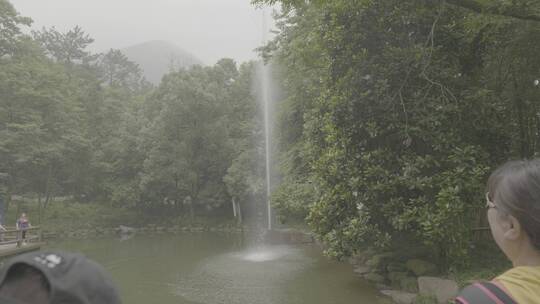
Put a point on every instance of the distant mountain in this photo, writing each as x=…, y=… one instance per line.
x=156, y=58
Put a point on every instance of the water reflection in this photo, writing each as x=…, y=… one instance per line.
x=217, y=268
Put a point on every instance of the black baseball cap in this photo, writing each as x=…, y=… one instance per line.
x=72, y=277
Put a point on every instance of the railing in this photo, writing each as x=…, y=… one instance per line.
x=15, y=236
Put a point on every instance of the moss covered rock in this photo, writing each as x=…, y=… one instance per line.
x=409, y=284
x=379, y=261
x=374, y=277
x=421, y=267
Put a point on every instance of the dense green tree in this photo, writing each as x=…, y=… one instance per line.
x=68, y=47
x=118, y=71
x=10, y=32
x=400, y=110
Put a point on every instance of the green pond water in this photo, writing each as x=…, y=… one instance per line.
x=212, y=268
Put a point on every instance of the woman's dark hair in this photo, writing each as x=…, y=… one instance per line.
x=515, y=189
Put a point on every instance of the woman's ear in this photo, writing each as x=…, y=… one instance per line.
x=511, y=228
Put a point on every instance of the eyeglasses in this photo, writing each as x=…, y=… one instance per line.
x=489, y=203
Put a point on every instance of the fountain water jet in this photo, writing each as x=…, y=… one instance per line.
x=265, y=95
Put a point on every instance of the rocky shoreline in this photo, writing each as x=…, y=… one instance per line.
x=404, y=280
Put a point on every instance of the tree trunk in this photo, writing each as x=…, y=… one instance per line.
x=48, y=187
x=239, y=209
x=9, y=190
x=39, y=208
x=234, y=207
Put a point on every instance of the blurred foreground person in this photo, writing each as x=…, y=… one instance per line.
x=513, y=212
x=52, y=277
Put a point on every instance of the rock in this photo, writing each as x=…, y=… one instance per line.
x=357, y=260
x=400, y=297
x=378, y=261
x=374, y=278
x=125, y=229
x=442, y=289
x=381, y=286
x=421, y=267
x=361, y=270
x=395, y=278
x=396, y=267
x=409, y=284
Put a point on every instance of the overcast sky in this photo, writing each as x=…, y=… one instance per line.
x=209, y=29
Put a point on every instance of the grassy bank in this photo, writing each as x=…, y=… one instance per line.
x=64, y=215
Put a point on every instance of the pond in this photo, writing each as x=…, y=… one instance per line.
x=212, y=268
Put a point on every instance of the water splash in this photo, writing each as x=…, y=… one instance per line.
x=255, y=276
x=265, y=253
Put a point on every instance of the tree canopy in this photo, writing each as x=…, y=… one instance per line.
x=396, y=111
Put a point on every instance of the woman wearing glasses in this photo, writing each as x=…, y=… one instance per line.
x=513, y=212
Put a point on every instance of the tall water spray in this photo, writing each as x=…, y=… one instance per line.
x=265, y=71
x=265, y=94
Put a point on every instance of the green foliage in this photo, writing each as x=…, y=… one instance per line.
x=89, y=127
x=66, y=47
x=394, y=112
x=10, y=32
x=292, y=198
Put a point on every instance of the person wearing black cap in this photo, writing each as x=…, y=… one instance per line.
x=55, y=277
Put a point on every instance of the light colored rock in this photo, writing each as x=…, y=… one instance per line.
x=442, y=289
x=400, y=297
x=374, y=277
x=361, y=270
x=125, y=229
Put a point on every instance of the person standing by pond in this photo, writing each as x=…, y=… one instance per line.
x=22, y=224
x=513, y=212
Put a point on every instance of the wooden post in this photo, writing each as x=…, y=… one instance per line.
x=234, y=207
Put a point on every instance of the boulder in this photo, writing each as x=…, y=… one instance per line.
x=379, y=261
x=125, y=229
x=442, y=289
x=374, y=277
x=421, y=267
x=400, y=297
x=395, y=278
x=361, y=270
x=357, y=259
x=396, y=267
x=409, y=284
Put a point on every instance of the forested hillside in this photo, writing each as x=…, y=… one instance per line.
x=157, y=58
x=90, y=127
x=397, y=111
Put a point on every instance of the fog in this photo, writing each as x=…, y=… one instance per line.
x=209, y=29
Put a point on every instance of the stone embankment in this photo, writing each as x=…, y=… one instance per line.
x=405, y=280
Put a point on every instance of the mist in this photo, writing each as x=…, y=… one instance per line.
x=209, y=29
